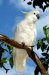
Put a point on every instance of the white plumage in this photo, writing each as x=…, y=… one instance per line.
x=25, y=32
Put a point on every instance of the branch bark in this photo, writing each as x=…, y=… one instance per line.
x=31, y=53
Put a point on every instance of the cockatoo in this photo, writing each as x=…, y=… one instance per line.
x=25, y=32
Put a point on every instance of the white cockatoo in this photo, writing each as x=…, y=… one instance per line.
x=25, y=32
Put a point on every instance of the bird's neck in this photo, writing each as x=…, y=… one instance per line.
x=30, y=23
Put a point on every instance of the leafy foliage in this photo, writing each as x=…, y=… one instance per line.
x=46, y=32
x=5, y=60
x=43, y=4
x=44, y=45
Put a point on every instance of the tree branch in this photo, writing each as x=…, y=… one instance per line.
x=31, y=53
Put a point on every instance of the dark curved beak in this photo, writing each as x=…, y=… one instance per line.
x=38, y=16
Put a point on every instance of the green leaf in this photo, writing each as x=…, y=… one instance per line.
x=43, y=39
x=11, y=62
x=8, y=45
x=47, y=35
x=10, y=48
x=29, y=3
x=4, y=60
x=43, y=46
x=37, y=70
x=48, y=61
x=48, y=49
x=1, y=52
x=1, y=64
x=44, y=54
x=39, y=44
x=46, y=31
x=42, y=59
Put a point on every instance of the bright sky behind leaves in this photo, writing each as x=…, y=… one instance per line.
x=10, y=15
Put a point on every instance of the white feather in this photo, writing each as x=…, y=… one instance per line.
x=25, y=32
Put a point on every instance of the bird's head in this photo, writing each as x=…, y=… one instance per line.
x=33, y=16
x=36, y=13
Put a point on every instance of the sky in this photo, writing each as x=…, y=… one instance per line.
x=10, y=15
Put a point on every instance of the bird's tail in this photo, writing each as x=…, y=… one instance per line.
x=19, y=59
x=20, y=65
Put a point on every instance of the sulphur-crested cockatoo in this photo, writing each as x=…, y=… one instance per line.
x=25, y=32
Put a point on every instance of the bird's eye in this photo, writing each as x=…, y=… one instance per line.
x=34, y=13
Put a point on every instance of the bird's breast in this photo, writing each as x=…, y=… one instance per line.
x=26, y=34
